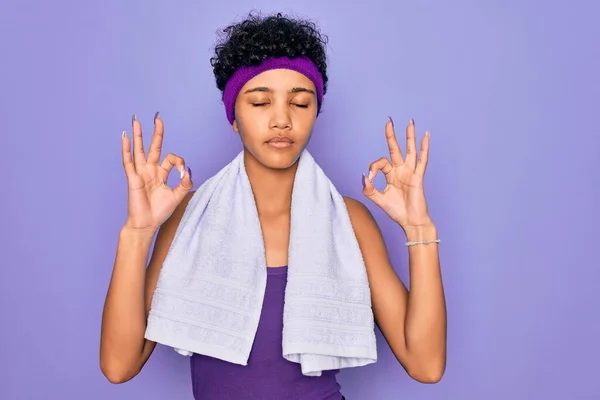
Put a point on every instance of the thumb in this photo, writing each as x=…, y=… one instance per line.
x=370, y=191
x=185, y=184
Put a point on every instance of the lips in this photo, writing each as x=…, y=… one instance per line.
x=280, y=139
x=280, y=142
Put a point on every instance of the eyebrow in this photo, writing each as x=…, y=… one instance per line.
x=266, y=89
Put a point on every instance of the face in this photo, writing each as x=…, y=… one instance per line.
x=275, y=113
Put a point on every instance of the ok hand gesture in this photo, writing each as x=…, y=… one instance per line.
x=403, y=198
x=151, y=201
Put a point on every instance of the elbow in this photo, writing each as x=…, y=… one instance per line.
x=115, y=374
x=116, y=377
x=430, y=373
x=429, y=377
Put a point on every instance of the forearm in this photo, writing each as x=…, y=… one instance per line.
x=124, y=317
x=425, y=327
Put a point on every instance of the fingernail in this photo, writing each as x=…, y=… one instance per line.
x=427, y=133
x=412, y=121
x=391, y=120
x=156, y=116
x=189, y=172
x=369, y=175
x=123, y=134
x=363, y=181
x=182, y=173
x=133, y=119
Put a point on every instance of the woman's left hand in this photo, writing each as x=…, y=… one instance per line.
x=403, y=198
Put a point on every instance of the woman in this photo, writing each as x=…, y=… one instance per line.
x=274, y=113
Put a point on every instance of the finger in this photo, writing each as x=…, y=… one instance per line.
x=157, y=141
x=126, y=151
x=139, y=158
x=172, y=161
x=382, y=165
x=411, y=145
x=423, y=156
x=371, y=192
x=390, y=135
x=185, y=185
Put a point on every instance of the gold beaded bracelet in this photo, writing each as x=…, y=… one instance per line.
x=423, y=242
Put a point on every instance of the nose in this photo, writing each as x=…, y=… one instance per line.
x=280, y=119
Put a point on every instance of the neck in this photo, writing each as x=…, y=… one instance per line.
x=272, y=188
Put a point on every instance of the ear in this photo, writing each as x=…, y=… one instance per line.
x=235, y=126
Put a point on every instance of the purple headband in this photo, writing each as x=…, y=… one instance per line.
x=302, y=65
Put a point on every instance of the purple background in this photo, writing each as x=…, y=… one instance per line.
x=508, y=91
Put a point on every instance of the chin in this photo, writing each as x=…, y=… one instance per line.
x=279, y=159
x=279, y=162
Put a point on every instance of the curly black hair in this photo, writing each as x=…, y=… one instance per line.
x=256, y=38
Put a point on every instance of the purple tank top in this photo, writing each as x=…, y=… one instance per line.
x=268, y=376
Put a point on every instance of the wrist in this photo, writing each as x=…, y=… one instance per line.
x=137, y=234
x=420, y=232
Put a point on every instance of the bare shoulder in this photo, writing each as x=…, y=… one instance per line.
x=367, y=233
x=372, y=246
x=365, y=227
x=165, y=236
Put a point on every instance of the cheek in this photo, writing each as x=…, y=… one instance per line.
x=250, y=116
x=304, y=126
x=249, y=128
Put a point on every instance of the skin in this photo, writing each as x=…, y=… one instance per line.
x=279, y=104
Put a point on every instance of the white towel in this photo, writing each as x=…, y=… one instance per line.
x=210, y=290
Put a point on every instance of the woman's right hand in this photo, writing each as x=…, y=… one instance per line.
x=151, y=201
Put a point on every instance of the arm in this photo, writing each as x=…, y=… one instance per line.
x=123, y=348
x=413, y=323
